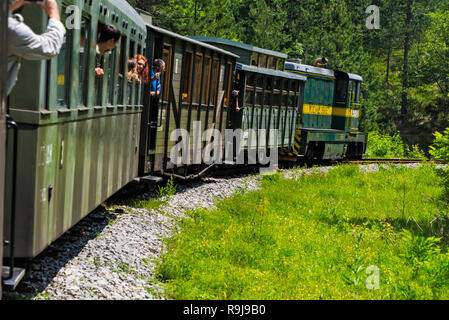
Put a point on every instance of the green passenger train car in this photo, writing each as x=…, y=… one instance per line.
x=269, y=98
x=3, y=80
x=196, y=89
x=330, y=115
x=78, y=140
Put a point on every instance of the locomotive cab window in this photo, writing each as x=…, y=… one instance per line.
x=341, y=89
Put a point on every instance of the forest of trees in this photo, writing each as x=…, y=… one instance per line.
x=404, y=63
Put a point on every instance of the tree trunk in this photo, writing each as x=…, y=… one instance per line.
x=388, y=65
x=408, y=22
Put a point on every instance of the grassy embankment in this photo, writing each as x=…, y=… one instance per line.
x=317, y=238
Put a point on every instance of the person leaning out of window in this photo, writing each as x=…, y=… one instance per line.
x=108, y=38
x=23, y=43
x=138, y=69
x=156, y=72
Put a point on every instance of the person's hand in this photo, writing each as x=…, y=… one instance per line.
x=99, y=72
x=152, y=93
x=156, y=76
x=50, y=7
x=16, y=5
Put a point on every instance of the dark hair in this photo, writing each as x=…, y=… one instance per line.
x=108, y=32
x=158, y=63
x=131, y=64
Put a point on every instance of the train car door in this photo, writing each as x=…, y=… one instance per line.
x=3, y=79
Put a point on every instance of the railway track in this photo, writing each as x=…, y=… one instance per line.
x=392, y=161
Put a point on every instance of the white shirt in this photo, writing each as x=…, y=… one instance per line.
x=23, y=43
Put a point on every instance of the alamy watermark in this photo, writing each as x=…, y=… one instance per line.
x=206, y=147
x=373, y=20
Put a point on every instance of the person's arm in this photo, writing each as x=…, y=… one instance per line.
x=30, y=46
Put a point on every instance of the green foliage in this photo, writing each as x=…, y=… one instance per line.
x=384, y=146
x=336, y=29
x=316, y=238
x=440, y=147
x=391, y=146
x=440, y=150
x=168, y=190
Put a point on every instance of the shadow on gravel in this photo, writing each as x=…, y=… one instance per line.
x=43, y=268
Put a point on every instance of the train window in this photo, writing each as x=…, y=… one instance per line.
x=274, y=63
x=281, y=64
x=130, y=83
x=269, y=62
x=187, y=85
x=250, y=80
x=341, y=89
x=84, y=60
x=99, y=63
x=215, y=78
x=63, y=69
x=197, y=76
x=358, y=92
x=111, y=75
x=254, y=58
x=228, y=82
x=167, y=57
x=206, y=81
x=263, y=61
x=120, y=85
x=259, y=82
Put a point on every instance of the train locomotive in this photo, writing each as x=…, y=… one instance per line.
x=81, y=139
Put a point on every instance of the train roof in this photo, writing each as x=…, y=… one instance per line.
x=309, y=69
x=303, y=68
x=240, y=45
x=270, y=72
x=127, y=9
x=188, y=39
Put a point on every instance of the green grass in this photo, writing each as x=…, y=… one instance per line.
x=316, y=238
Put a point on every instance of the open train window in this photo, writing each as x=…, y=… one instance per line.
x=228, y=83
x=187, y=85
x=121, y=71
x=262, y=61
x=111, y=77
x=215, y=79
x=130, y=82
x=63, y=68
x=84, y=60
x=197, y=76
x=206, y=81
x=99, y=63
x=254, y=59
x=167, y=57
x=280, y=64
x=341, y=89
